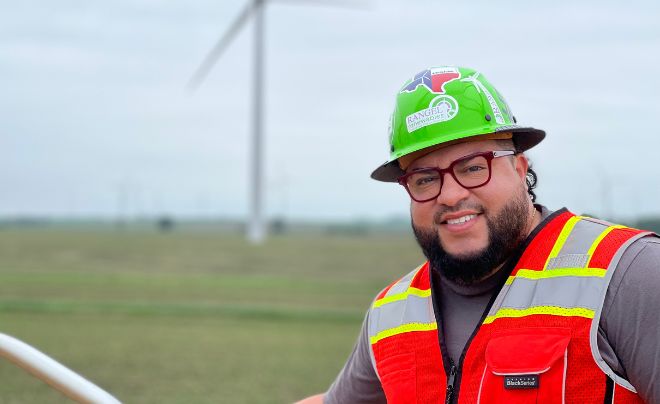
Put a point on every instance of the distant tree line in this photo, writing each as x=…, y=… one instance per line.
x=165, y=223
x=649, y=223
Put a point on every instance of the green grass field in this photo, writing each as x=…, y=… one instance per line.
x=190, y=317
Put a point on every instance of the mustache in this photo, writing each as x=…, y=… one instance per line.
x=443, y=210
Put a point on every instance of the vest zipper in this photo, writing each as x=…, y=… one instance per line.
x=508, y=267
x=451, y=370
x=451, y=379
x=454, y=372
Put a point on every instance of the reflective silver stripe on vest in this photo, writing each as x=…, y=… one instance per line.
x=552, y=288
x=582, y=236
x=414, y=309
x=568, y=261
x=409, y=310
x=566, y=292
x=403, y=284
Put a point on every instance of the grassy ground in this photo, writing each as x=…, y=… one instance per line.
x=190, y=317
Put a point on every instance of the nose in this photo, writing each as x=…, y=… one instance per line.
x=452, y=192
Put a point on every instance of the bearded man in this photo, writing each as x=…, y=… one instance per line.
x=516, y=304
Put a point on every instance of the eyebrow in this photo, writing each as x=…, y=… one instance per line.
x=451, y=162
x=422, y=169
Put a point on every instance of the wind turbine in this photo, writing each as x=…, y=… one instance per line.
x=256, y=228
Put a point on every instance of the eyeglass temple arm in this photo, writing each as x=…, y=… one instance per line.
x=500, y=153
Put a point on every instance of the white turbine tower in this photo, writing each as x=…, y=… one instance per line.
x=256, y=229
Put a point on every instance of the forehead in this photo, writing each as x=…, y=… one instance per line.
x=443, y=157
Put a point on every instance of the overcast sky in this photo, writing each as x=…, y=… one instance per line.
x=96, y=120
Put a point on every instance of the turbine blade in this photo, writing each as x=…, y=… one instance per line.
x=219, y=47
x=354, y=5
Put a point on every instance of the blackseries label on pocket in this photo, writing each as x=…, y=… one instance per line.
x=521, y=382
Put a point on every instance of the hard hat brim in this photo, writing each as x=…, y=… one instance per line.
x=524, y=138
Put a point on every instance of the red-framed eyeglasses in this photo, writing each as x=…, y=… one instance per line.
x=471, y=171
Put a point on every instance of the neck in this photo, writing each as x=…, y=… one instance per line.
x=534, y=219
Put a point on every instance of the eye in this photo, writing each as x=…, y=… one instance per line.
x=474, y=168
x=471, y=166
x=425, y=180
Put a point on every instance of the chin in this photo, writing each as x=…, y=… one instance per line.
x=464, y=250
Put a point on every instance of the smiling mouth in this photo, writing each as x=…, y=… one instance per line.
x=460, y=220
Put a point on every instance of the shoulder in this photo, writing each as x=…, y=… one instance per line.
x=636, y=277
x=649, y=244
x=639, y=266
x=418, y=278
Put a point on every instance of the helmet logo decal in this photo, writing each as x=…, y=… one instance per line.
x=442, y=108
x=505, y=107
x=434, y=79
x=497, y=113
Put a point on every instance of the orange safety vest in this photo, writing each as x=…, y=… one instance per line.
x=537, y=341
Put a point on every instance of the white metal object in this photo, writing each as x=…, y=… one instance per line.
x=257, y=228
x=52, y=372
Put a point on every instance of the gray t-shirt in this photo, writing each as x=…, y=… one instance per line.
x=628, y=334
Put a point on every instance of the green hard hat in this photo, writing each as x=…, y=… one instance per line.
x=445, y=104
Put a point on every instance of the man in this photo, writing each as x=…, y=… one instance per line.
x=515, y=303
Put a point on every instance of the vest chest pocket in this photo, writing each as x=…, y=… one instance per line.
x=525, y=365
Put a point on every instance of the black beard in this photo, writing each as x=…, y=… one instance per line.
x=505, y=233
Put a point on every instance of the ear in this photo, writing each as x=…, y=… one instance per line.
x=522, y=165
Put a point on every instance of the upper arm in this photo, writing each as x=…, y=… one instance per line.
x=631, y=322
x=357, y=382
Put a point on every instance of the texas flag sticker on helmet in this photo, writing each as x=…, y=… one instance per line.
x=434, y=79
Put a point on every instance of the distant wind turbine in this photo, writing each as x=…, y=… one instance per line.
x=256, y=230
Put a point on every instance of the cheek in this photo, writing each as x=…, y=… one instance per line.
x=495, y=202
x=422, y=214
x=501, y=189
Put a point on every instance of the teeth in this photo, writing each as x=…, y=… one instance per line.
x=461, y=219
